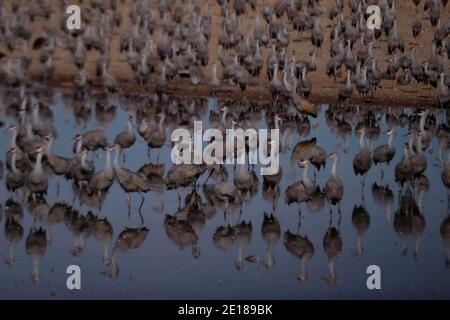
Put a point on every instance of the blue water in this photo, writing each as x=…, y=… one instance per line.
x=160, y=269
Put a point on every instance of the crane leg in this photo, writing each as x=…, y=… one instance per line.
x=128, y=201
x=299, y=220
x=142, y=202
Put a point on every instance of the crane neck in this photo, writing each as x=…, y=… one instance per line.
x=38, y=167
x=364, y=74
x=419, y=144
x=410, y=142
x=116, y=159
x=161, y=122
x=277, y=123
x=28, y=130
x=14, y=139
x=108, y=166
x=334, y=167
x=79, y=145
x=224, y=115
x=215, y=71
x=13, y=163
x=406, y=155
x=391, y=138
x=48, y=146
x=349, y=82
x=305, y=177
x=422, y=122
x=83, y=160
x=361, y=141
x=129, y=127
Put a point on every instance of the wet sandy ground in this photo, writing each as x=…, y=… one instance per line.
x=324, y=89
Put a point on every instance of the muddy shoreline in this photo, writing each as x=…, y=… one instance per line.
x=324, y=88
x=260, y=93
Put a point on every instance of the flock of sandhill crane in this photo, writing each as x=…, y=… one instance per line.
x=31, y=164
x=174, y=40
x=179, y=47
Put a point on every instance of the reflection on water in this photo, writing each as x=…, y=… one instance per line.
x=89, y=181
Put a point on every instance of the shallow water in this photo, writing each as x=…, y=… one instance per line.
x=187, y=263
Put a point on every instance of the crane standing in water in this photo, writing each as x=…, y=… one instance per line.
x=130, y=181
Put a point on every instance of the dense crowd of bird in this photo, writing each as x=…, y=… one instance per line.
x=32, y=166
x=174, y=40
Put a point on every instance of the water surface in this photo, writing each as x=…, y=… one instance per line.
x=186, y=262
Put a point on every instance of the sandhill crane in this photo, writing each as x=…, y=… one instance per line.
x=386, y=152
x=130, y=181
x=129, y=238
x=107, y=79
x=36, y=245
x=13, y=234
x=183, y=175
x=127, y=138
x=270, y=231
x=215, y=82
x=409, y=220
x=155, y=134
x=242, y=235
x=334, y=188
x=21, y=158
x=362, y=160
x=91, y=140
x=317, y=34
x=59, y=165
x=301, y=190
x=383, y=195
x=82, y=169
x=77, y=224
x=182, y=233
x=309, y=150
x=303, y=106
x=417, y=159
x=102, y=229
x=445, y=175
x=15, y=178
x=37, y=180
x=443, y=92
x=361, y=222
x=275, y=84
x=404, y=169
x=301, y=247
x=101, y=181
x=244, y=180
x=346, y=91
x=445, y=234
x=223, y=237
x=332, y=245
